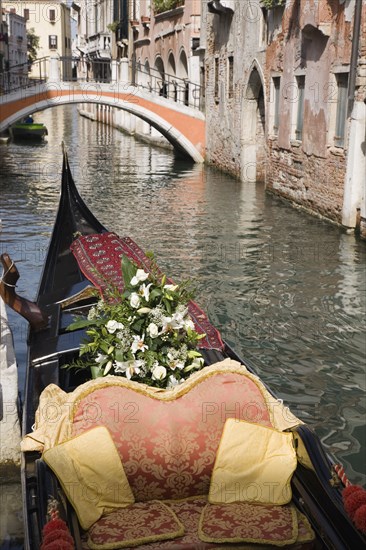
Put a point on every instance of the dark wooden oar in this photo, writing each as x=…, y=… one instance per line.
x=29, y=310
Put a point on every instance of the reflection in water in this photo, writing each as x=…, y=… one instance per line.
x=286, y=289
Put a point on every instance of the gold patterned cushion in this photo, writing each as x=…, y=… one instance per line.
x=91, y=474
x=167, y=440
x=254, y=463
x=244, y=522
x=141, y=523
x=189, y=513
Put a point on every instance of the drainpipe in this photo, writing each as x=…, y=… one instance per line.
x=354, y=56
x=354, y=183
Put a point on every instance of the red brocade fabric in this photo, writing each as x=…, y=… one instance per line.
x=141, y=523
x=99, y=257
x=168, y=448
x=109, y=532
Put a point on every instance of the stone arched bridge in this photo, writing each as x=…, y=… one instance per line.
x=182, y=125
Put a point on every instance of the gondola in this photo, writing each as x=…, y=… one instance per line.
x=63, y=292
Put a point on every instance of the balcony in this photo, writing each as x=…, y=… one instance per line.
x=99, y=46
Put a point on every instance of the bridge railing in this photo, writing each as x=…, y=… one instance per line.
x=24, y=75
x=76, y=69
x=179, y=90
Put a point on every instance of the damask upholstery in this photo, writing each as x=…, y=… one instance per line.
x=190, y=515
x=168, y=443
x=143, y=522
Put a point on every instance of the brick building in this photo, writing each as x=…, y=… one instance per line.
x=316, y=115
x=285, y=89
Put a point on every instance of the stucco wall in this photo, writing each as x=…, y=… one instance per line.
x=235, y=131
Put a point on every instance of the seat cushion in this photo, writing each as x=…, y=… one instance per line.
x=139, y=524
x=244, y=522
x=254, y=463
x=189, y=513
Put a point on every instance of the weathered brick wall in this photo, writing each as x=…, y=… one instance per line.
x=316, y=37
x=313, y=182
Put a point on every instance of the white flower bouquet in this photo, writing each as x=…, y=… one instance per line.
x=144, y=333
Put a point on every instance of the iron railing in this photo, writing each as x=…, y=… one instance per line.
x=179, y=90
x=24, y=75
x=76, y=69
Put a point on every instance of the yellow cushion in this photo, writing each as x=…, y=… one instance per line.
x=254, y=463
x=91, y=474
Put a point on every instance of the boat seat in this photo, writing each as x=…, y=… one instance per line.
x=167, y=442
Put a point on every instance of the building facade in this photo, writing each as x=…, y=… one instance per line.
x=51, y=23
x=157, y=51
x=17, y=66
x=3, y=47
x=315, y=95
x=233, y=67
x=285, y=90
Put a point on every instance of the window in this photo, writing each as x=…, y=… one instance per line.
x=300, y=81
x=52, y=42
x=342, y=85
x=26, y=14
x=216, y=76
x=276, y=97
x=52, y=15
x=230, y=77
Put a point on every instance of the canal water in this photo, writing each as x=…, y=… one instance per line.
x=286, y=289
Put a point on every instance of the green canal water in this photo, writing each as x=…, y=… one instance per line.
x=287, y=290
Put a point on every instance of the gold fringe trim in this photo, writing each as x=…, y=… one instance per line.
x=225, y=366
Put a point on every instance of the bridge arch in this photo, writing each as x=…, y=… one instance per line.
x=173, y=121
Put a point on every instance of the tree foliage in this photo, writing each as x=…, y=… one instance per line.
x=32, y=45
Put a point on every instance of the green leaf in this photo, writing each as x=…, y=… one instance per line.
x=80, y=323
x=155, y=293
x=128, y=270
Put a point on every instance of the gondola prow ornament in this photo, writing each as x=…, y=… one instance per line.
x=37, y=319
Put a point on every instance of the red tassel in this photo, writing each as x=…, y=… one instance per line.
x=353, y=501
x=360, y=518
x=349, y=490
x=55, y=524
x=56, y=534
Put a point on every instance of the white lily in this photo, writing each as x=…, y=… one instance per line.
x=173, y=381
x=129, y=368
x=100, y=358
x=138, y=344
x=134, y=300
x=188, y=324
x=171, y=287
x=144, y=291
x=140, y=276
x=143, y=310
x=197, y=363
